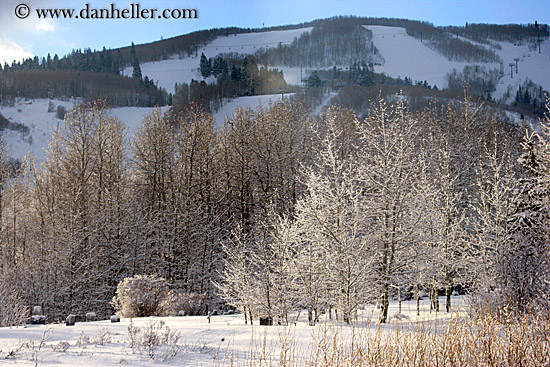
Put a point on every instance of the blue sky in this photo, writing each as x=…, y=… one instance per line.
x=23, y=38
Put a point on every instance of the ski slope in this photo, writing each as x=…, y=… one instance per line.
x=169, y=72
x=41, y=123
x=531, y=65
x=405, y=56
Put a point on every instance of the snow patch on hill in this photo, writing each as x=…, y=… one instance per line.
x=169, y=72
x=41, y=123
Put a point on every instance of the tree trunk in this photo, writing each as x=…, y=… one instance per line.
x=385, y=305
x=399, y=298
x=448, y=294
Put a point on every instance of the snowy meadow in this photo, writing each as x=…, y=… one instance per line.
x=427, y=339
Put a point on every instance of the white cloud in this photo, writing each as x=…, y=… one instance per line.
x=10, y=51
x=44, y=26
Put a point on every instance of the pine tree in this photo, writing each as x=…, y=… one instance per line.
x=136, y=68
x=205, y=68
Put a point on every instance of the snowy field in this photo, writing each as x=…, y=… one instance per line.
x=224, y=341
x=169, y=72
x=41, y=123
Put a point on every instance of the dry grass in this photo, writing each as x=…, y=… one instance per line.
x=462, y=341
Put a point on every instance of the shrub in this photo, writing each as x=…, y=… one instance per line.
x=143, y=295
x=193, y=304
x=156, y=340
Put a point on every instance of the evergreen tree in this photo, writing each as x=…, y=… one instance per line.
x=136, y=72
x=313, y=81
x=205, y=66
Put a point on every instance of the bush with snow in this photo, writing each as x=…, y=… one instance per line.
x=143, y=295
x=193, y=304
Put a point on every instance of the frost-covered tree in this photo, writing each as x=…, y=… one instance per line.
x=236, y=286
x=524, y=262
x=388, y=140
x=77, y=200
x=332, y=219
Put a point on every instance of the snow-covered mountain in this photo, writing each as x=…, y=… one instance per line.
x=404, y=56
x=401, y=55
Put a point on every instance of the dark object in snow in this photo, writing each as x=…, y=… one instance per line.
x=115, y=318
x=37, y=320
x=181, y=313
x=71, y=319
x=37, y=310
x=91, y=316
x=223, y=339
x=266, y=320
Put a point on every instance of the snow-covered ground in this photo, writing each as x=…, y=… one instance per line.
x=41, y=123
x=169, y=72
x=225, y=339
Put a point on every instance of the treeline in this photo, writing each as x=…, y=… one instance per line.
x=357, y=98
x=360, y=74
x=115, y=89
x=104, y=61
x=512, y=33
x=276, y=211
x=479, y=79
x=530, y=98
x=334, y=42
